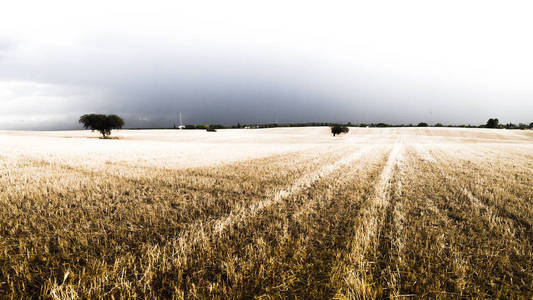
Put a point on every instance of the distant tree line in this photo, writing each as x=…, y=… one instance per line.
x=205, y=127
x=265, y=125
x=307, y=124
x=491, y=123
x=495, y=123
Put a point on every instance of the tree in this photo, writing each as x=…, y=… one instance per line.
x=102, y=123
x=493, y=123
x=422, y=124
x=531, y=125
x=338, y=129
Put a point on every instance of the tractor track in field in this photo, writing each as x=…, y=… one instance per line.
x=368, y=228
x=299, y=185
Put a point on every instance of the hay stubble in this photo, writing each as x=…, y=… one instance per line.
x=372, y=214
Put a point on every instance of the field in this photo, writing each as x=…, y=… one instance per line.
x=269, y=213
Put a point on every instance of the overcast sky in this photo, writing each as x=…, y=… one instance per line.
x=265, y=61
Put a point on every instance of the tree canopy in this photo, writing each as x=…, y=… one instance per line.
x=102, y=123
x=338, y=129
x=493, y=123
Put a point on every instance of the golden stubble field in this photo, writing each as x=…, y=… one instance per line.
x=270, y=213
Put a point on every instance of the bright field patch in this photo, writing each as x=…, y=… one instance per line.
x=270, y=213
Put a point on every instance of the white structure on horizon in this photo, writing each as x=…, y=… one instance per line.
x=181, y=126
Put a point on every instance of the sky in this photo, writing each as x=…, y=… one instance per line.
x=454, y=62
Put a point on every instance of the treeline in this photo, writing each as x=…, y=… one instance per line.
x=491, y=123
x=266, y=125
x=495, y=123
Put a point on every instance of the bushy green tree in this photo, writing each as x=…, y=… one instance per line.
x=102, y=123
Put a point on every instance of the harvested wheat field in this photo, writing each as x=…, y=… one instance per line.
x=267, y=213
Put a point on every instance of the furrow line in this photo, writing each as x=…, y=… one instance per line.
x=357, y=277
x=301, y=184
x=496, y=213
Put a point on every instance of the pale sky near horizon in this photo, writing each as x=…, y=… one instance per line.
x=270, y=61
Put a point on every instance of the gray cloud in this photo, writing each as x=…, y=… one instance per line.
x=6, y=45
x=289, y=73
x=152, y=85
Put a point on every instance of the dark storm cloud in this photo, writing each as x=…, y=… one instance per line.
x=268, y=62
x=149, y=86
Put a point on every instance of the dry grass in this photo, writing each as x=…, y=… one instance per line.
x=377, y=213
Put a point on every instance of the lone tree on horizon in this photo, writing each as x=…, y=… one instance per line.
x=493, y=123
x=338, y=129
x=104, y=124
